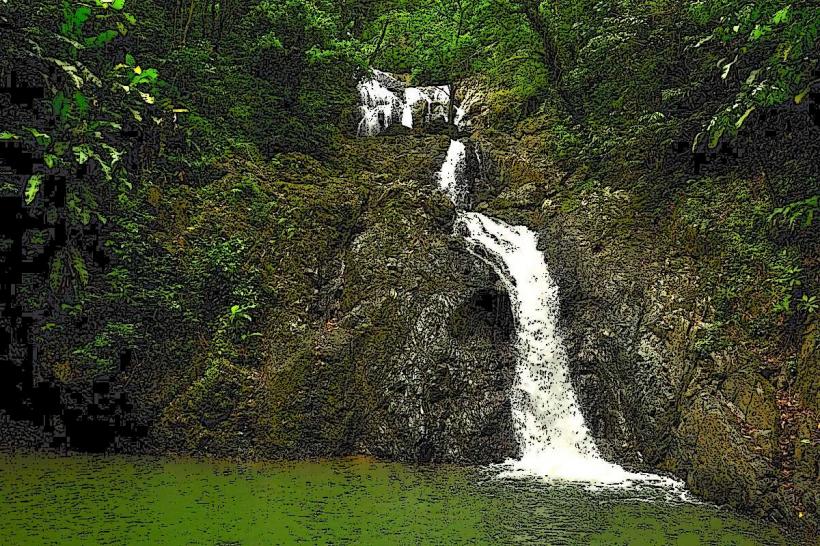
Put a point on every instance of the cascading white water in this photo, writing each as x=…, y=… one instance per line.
x=554, y=440
x=379, y=105
x=382, y=107
x=450, y=177
x=553, y=437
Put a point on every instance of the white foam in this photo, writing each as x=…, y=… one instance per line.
x=382, y=107
x=555, y=442
x=451, y=179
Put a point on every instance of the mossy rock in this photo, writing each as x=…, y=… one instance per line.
x=808, y=368
x=215, y=415
x=719, y=463
x=754, y=397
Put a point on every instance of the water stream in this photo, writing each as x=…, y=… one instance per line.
x=553, y=437
x=386, y=101
x=554, y=440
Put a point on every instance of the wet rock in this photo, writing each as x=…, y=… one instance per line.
x=380, y=333
x=634, y=313
x=717, y=462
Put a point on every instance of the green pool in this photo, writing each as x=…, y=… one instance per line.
x=123, y=500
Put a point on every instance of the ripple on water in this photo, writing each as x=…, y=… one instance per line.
x=125, y=500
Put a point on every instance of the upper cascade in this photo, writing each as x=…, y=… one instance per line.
x=386, y=101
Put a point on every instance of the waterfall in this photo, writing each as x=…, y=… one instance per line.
x=554, y=439
x=451, y=175
x=386, y=101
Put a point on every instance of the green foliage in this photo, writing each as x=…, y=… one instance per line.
x=98, y=104
x=102, y=350
x=796, y=213
x=93, y=100
x=765, y=50
x=32, y=187
x=239, y=313
x=791, y=295
x=808, y=304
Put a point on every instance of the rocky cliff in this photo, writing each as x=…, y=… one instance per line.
x=379, y=332
x=668, y=380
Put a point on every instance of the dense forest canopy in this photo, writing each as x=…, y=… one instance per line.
x=718, y=62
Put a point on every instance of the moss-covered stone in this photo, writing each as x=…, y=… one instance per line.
x=357, y=298
x=808, y=367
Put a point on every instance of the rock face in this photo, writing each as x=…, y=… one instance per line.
x=636, y=315
x=382, y=333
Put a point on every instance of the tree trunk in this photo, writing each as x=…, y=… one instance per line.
x=376, y=51
x=188, y=22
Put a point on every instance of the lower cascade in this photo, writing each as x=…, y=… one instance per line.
x=554, y=440
x=553, y=437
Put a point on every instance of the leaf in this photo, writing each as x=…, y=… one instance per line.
x=148, y=75
x=42, y=138
x=56, y=274
x=118, y=4
x=727, y=68
x=50, y=160
x=81, y=101
x=101, y=39
x=5, y=135
x=752, y=77
x=704, y=40
x=781, y=16
x=112, y=152
x=745, y=115
x=71, y=70
x=802, y=95
x=32, y=187
x=61, y=106
x=759, y=32
x=78, y=264
x=91, y=77
x=82, y=153
x=130, y=18
x=81, y=16
x=129, y=60
x=715, y=138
